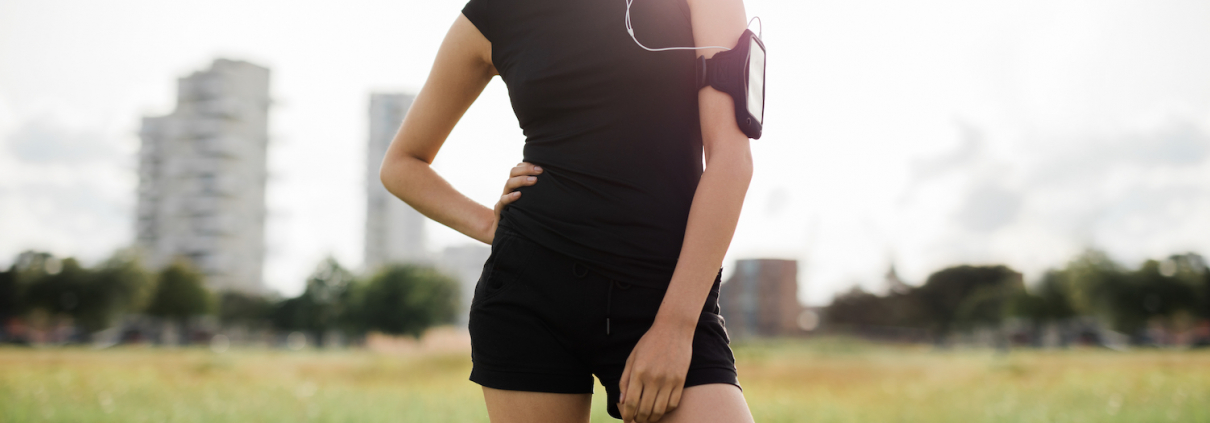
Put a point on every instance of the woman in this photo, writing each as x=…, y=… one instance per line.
x=608, y=240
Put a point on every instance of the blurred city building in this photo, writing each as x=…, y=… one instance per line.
x=464, y=263
x=761, y=299
x=202, y=173
x=394, y=230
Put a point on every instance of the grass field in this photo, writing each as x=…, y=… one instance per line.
x=830, y=380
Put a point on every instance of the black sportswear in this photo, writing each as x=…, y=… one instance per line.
x=615, y=127
x=541, y=321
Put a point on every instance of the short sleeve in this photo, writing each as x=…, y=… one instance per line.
x=479, y=12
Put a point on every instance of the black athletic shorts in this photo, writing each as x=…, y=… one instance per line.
x=542, y=322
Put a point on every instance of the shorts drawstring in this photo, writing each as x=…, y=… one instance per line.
x=608, y=303
x=609, y=300
x=575, y=270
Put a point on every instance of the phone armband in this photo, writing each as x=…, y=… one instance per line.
x=739, y=72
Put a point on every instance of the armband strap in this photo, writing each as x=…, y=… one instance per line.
x=728, y=72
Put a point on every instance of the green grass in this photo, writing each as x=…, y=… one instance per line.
x=823, y=380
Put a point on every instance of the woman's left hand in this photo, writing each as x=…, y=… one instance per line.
x=655, y=372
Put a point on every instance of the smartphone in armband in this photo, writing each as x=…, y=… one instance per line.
x=739, y=72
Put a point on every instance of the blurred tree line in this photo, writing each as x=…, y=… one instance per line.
x=40, y=290
x=400, y=299
x=1172, y=293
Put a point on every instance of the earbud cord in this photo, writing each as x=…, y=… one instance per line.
x=630, y=30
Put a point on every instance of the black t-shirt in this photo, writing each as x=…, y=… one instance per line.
x=614, y=127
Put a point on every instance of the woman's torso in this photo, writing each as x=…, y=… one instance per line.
x=615, y=127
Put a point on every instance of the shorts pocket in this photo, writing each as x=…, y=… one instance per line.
x=504, y=266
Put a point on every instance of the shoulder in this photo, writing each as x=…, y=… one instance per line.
x=487, y=15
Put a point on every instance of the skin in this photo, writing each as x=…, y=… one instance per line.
x=652, y=383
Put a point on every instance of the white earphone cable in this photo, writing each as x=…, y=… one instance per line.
x=630, y=30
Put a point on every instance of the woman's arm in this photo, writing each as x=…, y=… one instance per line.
x=462, y=68
x=654, y=377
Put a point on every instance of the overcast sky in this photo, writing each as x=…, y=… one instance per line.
x=923, y=133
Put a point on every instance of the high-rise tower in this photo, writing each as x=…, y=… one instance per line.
x=394, y=231
x=202, y=176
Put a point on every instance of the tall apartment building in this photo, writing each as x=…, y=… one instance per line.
x=394, y=231
x=202, y=176
x=761, y=298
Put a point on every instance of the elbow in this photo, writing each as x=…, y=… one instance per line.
x=384, y=172
x=399, y=174
x=389, y=173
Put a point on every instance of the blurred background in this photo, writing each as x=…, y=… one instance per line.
x=191, y=189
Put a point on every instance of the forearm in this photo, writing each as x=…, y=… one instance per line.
x=712, y=219
x=416, y=183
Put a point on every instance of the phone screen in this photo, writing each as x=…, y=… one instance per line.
x=756, y=81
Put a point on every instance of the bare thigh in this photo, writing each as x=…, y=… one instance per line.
x=537, y=407
x=715, y=402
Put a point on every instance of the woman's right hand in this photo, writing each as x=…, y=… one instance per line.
x=524, y=174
